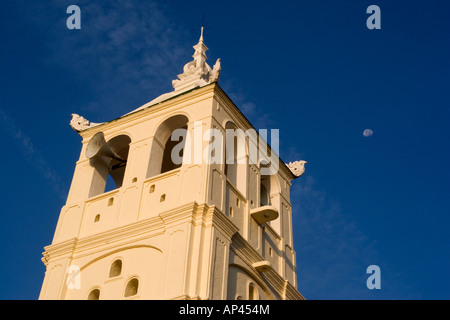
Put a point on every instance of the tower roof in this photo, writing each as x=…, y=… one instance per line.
x=196, y=73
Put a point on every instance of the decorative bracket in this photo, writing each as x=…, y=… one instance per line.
x=297, y=167
x=78, y=123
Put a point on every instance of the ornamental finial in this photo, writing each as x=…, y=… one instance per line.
x=201, y=35
x=197, y=73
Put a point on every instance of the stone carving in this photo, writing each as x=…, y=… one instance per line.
x=297, y=167
x=197, y=72
x=78, y=123
x=215, y=73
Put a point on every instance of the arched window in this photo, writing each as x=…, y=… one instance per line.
x=132, y=287
x=169, y=163
x=231, y=153
x=252, y=292
x=94, y=295
x=236, y=156
x=109, y=172
x=168, y=145
x=270, y=195
x=121, y=146
x=116, y=269
x=265, y=187
x=263, y=196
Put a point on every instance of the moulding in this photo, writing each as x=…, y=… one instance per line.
x=149, y=111
x=59, y=250
x=224, y=224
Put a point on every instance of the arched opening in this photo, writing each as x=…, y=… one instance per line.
x=168, y=145
x=265, y=187
x=231, y=153
x=241, y=283
x=263, y=195
x=270, y=194
x=121, y=146
x=94, y=295
x=109, y=172
x=132, y=288
x=252, y=292
x=116, y=269
x=236, y=165
x=169, y=162
x=236, y=154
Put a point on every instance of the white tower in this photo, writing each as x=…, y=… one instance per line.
x=169, y=230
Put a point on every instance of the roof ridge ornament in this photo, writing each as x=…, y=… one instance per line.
x=79, y=123
x=201, y=34
x=297, y=167
x=197, y=73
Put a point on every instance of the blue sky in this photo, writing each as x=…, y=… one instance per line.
x=311, y=69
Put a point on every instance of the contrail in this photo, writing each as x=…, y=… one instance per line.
x=31, y=153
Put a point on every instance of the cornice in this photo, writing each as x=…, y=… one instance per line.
x=59, y=250
x=292, y=293
x=223, y=223
x=203, y=215
x=146, y=112
x=245, y=251
x=179, y=215
x=122, y=235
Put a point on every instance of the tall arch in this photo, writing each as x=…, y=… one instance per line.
x=270, y=194
x=121, y=146
x=161, y=159
x=270, y=182
x=242, y=283
x=109, y=172
x=236, y=156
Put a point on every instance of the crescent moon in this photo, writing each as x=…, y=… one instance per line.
x=367, y=133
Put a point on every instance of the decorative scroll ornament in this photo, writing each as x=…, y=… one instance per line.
x=197, y=72
x=78, y=123
x=297, y=167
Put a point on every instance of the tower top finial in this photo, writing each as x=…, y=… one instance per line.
x=197, y=72
x=201, y=34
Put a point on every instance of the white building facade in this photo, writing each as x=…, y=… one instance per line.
x=166, y=230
